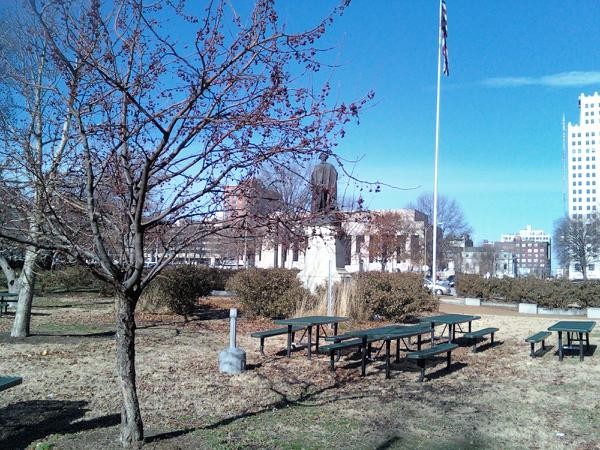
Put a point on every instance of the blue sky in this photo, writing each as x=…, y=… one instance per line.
x=515, y=68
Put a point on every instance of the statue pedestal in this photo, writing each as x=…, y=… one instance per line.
x=324, y=250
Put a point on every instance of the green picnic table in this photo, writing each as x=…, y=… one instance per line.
x=450, y=321
x=387, y=334
x=578, y=327
x=5, y=299
x=308, y=323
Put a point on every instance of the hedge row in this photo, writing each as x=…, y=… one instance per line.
x=547, y=293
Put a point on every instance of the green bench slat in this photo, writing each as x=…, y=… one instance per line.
x=429, y=352
x=8, y=382
x=480, y=333
x=274, y=332
x=538, y=337
x=341, y=345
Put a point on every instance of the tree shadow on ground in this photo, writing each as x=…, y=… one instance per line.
x=73, y=305
x=98, y=334
x=26, y=422
x=308, y=397
x=54, y=338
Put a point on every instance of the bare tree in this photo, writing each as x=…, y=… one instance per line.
x=389, y=233
x=487, y=260
x=35, y=137
x=451, y=220
x=145, y=130
x=577, y=240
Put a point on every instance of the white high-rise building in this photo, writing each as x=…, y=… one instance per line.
x=583, y=169
x=583, y=166
x=527, y=234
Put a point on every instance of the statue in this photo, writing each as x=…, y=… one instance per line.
x=324, y=186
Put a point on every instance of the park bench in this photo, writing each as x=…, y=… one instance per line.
x=474, y=335
x=538, y=337
x=262, y=335
x=341, y=345
x=5, y=299
x=8, y=382
x=423, y=355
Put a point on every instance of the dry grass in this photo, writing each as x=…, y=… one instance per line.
x=345, y=303
x=497, y=398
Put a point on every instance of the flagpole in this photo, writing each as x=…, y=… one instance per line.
x=437, y=145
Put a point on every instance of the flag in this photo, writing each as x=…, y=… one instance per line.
x=444, y=32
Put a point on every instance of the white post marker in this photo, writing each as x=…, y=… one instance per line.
x=232, y=360
x=232, y=327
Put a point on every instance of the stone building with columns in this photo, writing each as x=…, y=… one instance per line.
x=356, y=252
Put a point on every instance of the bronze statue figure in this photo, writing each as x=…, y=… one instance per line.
x=324, y=186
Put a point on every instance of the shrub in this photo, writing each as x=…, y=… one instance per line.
x=270, y=293
x=177, y=288
x=547, y=293
x=394, y=296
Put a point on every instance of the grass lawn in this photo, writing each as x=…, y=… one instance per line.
x=496, y=398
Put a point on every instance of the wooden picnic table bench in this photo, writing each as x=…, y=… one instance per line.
x=421, y=356
x=474, y=335
x=8, y=382
x=537, y=337
x=262, y=335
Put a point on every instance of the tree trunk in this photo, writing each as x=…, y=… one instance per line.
x=10, y=274
x=132, y=430
x=21, y=325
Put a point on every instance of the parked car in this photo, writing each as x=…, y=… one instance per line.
x=436, y=288
x=450, y=280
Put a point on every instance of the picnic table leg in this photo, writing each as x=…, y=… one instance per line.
x=335, y=328
x=289, y=341
x=469, y=326
x=532, y=352
x=421, y=364
x=317, y=341
x=419, y=342
x=448, y=360
x=397, y=350
x=580, y=346
x=310, y=341
x=364, y=356
x=432, y=334
x=560, y=347
x=387, y=358
x=331, y=361
x=587, y=341
x=569, y=338
x=453, y=333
